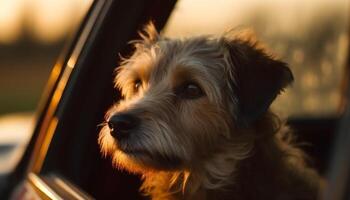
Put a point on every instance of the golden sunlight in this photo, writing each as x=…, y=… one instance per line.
x=52, y=19
x=46, y=20
x=192, y=17
x=10, y=20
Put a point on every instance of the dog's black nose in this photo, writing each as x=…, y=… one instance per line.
x=121, y=125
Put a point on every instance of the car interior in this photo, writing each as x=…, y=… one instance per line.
x=72, y=155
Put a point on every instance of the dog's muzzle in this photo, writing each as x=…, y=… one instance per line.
x=121, y=125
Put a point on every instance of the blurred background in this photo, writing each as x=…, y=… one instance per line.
x=312, y=36
x=32, y=34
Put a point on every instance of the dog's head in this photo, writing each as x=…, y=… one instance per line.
x=185, y=100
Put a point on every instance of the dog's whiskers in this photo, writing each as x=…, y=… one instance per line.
x=102, y=124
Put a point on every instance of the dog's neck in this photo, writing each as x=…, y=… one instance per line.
x=214, y=174
x=273, y=165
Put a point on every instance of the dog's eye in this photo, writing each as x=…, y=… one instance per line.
x=190, y=91
x=137, y=85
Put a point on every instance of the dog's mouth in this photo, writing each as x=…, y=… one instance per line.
x=154, y=160
x=141, y=156
x=133, y=151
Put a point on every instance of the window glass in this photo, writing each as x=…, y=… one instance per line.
x=31, y=38
x=312, y=36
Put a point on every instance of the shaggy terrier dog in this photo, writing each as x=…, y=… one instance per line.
x=194, y=121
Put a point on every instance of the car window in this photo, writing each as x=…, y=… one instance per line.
x=311, y=36
x=79, y=114
x=31, y=38
x=78, y=102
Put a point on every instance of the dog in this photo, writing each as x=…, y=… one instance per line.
x=194, y=121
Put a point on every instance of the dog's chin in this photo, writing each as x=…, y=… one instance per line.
x=129, y=162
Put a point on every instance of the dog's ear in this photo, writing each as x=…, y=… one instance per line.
x=256, y=78
x=149, y=34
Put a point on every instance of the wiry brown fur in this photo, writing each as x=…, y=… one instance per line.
x=201, y=148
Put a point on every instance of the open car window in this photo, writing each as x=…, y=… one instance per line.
x=63, y=160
